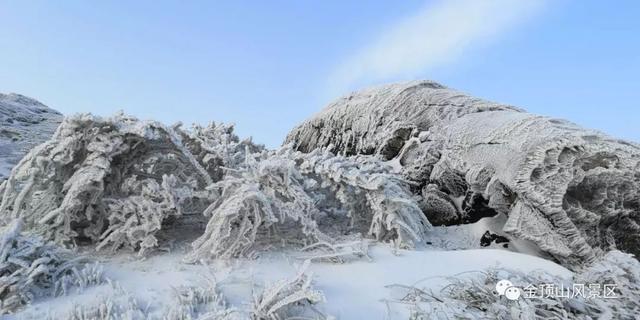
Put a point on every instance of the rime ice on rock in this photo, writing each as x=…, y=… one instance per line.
x=572, y=191
x=24, y=123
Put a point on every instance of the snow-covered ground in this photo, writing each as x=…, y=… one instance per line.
x=353, y=290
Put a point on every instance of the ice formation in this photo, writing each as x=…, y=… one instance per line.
x=581, y=297
x=380, y=165
x=572, y=191
x=317, y=197
x=115, y=181
x=32, y=268
x=289, y=298
x=124, y=183
x=24, y=123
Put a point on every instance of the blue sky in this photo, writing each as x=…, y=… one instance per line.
x=267, y=65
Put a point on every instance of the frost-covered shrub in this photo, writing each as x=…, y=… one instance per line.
x=621, y=270
x=473, y=296
x=114, y=181
x=135, y=220
x=31, y=268
x=288, y=298
x=202, y=302
x=337, y=253
x=119, y=304
x=288, y=196
x=216, y=147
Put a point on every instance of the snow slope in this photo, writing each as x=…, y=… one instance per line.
x=24, y=123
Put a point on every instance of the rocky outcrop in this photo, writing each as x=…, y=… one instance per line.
x=573, y=191
x=24, y=123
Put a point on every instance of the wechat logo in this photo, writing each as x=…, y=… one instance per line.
x=507, y=289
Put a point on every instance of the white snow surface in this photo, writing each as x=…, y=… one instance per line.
x=354, y=290
x=24, y=123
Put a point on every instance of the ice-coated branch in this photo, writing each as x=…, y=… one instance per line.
x=114, y=181
x=32, y=268
x=287, y=298
x=288, y=196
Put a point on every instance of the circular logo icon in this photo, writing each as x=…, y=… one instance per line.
x=502, y=286
x=512, y=293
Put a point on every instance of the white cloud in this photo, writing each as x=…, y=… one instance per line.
x=436, y=35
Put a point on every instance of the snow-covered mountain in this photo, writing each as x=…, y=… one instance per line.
x=434, y=202
x=24, y=123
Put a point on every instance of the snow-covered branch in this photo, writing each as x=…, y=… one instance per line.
x=32, y=268
x=288, y=196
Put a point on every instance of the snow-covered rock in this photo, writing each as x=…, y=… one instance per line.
x=24, y=123
x=573, y=191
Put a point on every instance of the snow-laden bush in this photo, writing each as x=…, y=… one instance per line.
x=337, y=253
x=123, y=183
x=119, y=304
x=473, y=296
x=285, y=299
x=201, y=302
x=217, y=147
x=297, y=198
x=289, y=298
x=32, y=268
x=114, y=181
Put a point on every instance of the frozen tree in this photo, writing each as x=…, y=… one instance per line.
x=123, y=183
x=116, y=181
x=574, y=192
x=317, y=197
x=32, y=268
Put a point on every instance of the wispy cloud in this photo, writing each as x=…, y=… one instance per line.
x=436, y=35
